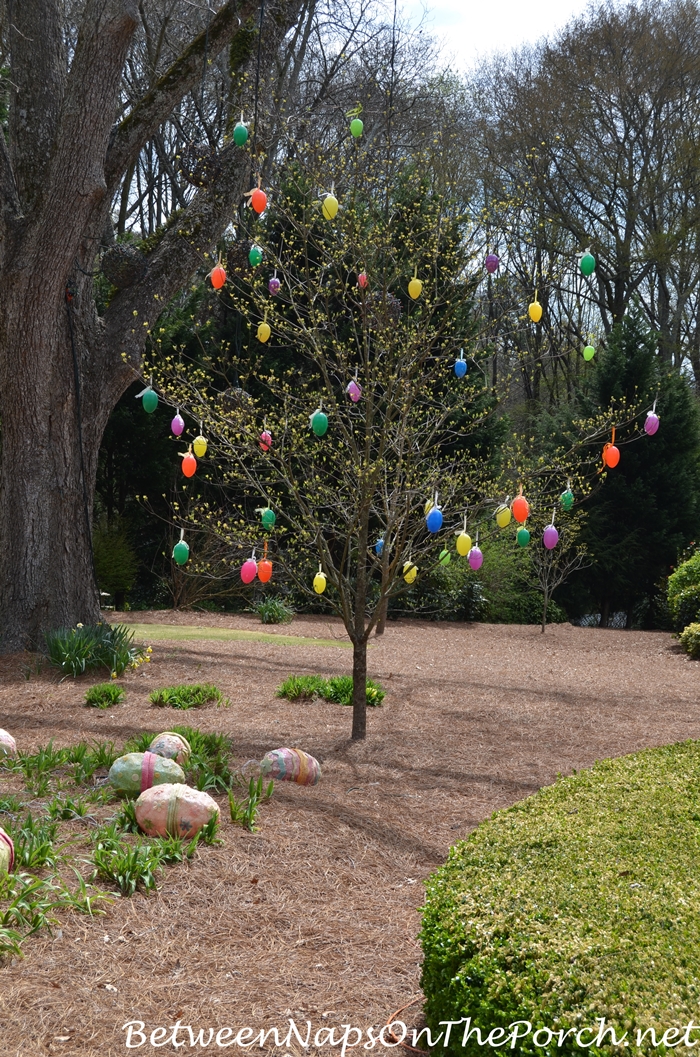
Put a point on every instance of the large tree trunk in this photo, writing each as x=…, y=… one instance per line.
x=359, y=690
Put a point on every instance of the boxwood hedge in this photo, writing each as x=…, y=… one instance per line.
x=578, y=905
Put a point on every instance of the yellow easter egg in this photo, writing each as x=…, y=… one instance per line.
x=415, y=288
x=428, y=507
x=264, y=331
x=320, y=583
x=503, y=516
x=410, y=572
x=535, y=311
x=464, y=544
x=200, y=446
x=330, y=207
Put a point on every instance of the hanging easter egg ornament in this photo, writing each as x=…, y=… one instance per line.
x=255, y=256
x=464, y=540
x=588, y=353
x=319, y=422
x=363, y=280
x=181, y=550
x=149, y=400
x=200, y=445
x=265, y=568
x=522, y=536
x=274, y=285
x=240, y=133
x=410, y=572
x=492, y=262
x=444, y=558
x=320, y=581
x=264, y=331
x=354, y=390
x=189, y=464
x=329, y=207
x=460, y=367
x=415, y=287
x=611, y=454
x=587, y=263
x=535, y=310
x=433, y=519
x=249, y=570
x=356, y=128
x=520, y=508
x=476, y=558
x=503, y=515
x=651, y=423
x=379, y=547
x=265, y=440
x=178, y=423
x=550, y=536
x=566, y=499
x=258, y=200
x=217, y=276
x=268, y=518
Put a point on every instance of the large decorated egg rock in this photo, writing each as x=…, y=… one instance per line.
x=178, y=424
x=136, y=771
x=587, y=264
x=249, y=570
x=550, y=537
x=172, y=746
x=7, y=853
x=464, y=544
x=8, y=745
x=291, y=765
x=522, y=536
x=476, y=558
x=651, y=424
x=567, y=499
x=434, y=519
x=492, y=262
x=520, y=508
x=503, y=516
x=174, y=811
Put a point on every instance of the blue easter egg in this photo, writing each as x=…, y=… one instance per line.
x=460, y=368
x=434, y=520
x=379, y=547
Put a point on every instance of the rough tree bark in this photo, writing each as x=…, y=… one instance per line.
x=62, y=369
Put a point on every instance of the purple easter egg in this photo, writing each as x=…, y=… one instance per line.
x=652, y=423
x=476, y=558
x=274, y=285
x=354, y=391
x=177, y=425
x=492, y=262
x=550, y=537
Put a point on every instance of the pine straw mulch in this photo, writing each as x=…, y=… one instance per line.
x=316, y=915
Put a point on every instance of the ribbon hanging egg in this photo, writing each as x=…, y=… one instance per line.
x=189, y=465
x=566, y=499
x=181, y=552
x=265, y=440
x=460, y=366
x=550, y=537
x=476, y=558
x=363, y=280
x=415, y=288
x=354, y=390
x=217, y=276
x=445, y=557
x=274, y=285
x=258, y=200
x=520, y=508
x=356, y=128
x=319, y=423
x=410, y=572
x=268, y=518
x=464, y=544
x=200, y=445
x=651, y=423
x=240, y=134
x=264, y=571
x=249, y=570
x=587, y=263
x=329, y=207
x=503, y=515
x=264, y=331
x=492, y=262
x=434, y=519
x=149, y=400
x=255, y=256
x=535, y=310
x=588, y=353
x=379, y=547
x=178, y=424
x=320, y=581
x=522, y=536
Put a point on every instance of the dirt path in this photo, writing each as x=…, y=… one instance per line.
x=315, y=917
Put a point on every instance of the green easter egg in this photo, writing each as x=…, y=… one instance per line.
x=319, y=423
x=255, y=256
x=268, y=518
x=181, y=552
x=444, y=557
x=523, y=537
x=587, y=264
x=567, y=499
x=588, y=353
x=240, y=134
x=356, y=127
x=150, y=401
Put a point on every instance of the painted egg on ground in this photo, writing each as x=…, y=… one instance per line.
x=172, y=746
x=174, y=811
x=291, y=765
x=7, y=853
x=136, y=771
x=8, y=745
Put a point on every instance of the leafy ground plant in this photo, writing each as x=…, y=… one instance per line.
x=245, y=812
x=689, y=639
x=104, y=695
x=89, y=646
x=186, y=695
x=274, y=611
x=337, y=689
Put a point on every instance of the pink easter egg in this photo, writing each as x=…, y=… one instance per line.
x=7, y=853
x=492, y=262
x=172, y=746
x=177, y=425
x=8, y=745
x=291, y=765
x=354, y=391
x=249, y=570
x=274, y=285
x=174, y=810
x=550, y=537
x=475, y=558
x=265, y=440
x=652, y=423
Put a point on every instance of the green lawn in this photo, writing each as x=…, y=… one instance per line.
x=192, y=632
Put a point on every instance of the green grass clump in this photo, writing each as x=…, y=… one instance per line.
x=186, y=695
x=104, y=695
x=274, y=611
x=576, y=904
x=337, y=689
x=89, y=646
x=689, y=639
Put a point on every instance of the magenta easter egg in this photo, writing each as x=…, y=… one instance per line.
x=492, y=262
x=8, y=745
x=249, y=570
x=354, y=391
x=7, y=853
x=172, y=746
x=274, y=285
x=265, y=440
x=178, y=424
x=550, y=537
x=652, y=423
x=174, y=811
x=476, y=558
x=291, y=765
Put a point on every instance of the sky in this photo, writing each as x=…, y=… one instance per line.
x=472, y=29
